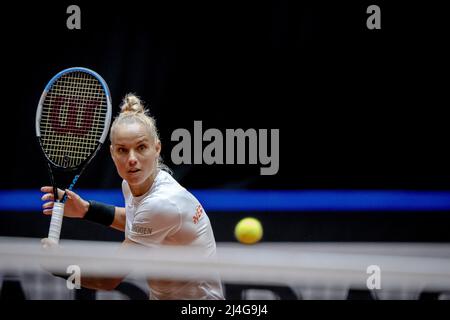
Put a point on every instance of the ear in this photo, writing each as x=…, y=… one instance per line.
x=158, y=147
x=111, y=150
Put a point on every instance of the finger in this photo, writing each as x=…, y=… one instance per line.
x=71, y=195
x=48, y=212
x=48, y=196
x=47, y=189
x=48, y=205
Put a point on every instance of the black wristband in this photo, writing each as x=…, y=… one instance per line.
x=100, y=212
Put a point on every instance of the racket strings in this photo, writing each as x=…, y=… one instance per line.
x=73, y=118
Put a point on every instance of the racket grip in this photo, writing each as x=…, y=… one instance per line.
x=56, y=221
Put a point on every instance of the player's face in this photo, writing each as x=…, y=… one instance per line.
x=135, y=154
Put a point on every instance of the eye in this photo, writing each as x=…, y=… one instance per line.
x=142, y=147
x=121, y=150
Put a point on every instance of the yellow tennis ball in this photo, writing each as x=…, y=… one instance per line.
x=248, y=231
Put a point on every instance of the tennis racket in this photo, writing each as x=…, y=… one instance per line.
x=72, y=123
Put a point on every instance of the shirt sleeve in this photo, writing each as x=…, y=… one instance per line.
x=155, y=220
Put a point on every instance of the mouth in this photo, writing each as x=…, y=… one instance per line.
x=134, y=170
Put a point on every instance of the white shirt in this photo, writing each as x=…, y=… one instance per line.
x=168, y=214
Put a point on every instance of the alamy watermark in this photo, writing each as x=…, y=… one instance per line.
x=373, y=22
x=74, y=20
x=74, y=280
x=374, y=280
x=236, y=146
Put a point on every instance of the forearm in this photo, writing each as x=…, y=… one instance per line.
x=119, y=219
x=100, y=283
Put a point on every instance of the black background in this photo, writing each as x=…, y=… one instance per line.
x=356, y=108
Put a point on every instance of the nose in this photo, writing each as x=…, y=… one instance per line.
x=132, y=160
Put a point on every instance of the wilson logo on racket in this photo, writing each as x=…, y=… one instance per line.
x=69, y=122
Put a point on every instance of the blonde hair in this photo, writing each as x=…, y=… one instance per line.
x=132, y=110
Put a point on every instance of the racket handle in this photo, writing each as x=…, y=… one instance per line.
x=56, y=222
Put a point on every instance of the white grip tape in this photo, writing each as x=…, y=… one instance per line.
x=56, y=222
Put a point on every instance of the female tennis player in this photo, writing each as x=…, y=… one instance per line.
x=158, y=210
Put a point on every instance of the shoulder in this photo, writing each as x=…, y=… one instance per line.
x=158, y=207
x=172, y=193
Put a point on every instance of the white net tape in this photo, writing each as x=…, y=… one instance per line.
x=401, y=266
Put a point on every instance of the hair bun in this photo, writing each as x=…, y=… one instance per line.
x=132, y=103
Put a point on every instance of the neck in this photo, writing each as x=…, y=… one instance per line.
x=140, y=189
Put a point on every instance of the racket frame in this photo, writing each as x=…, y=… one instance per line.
x=58, y=208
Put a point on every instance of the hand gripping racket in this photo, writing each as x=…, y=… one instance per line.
x=72, y=123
